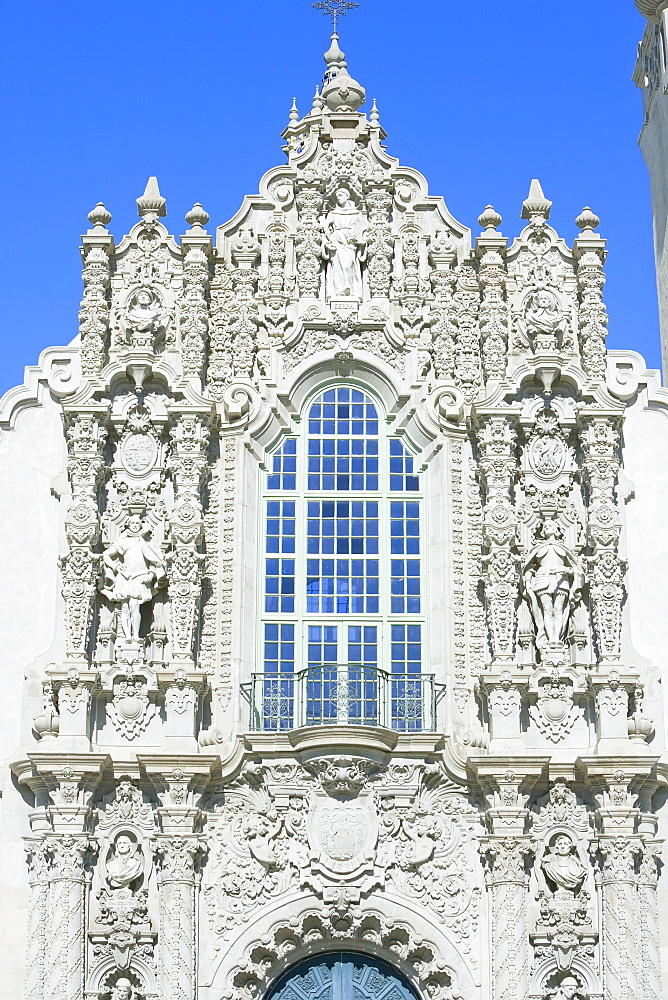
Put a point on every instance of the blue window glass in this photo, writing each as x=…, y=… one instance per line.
x=342, y=528
x=405, y=542
x=283, y=475
x=408, y=690
x=406, y=656
x=321, y=683
x=343, y=442
x=274, y=696
x=280, y=559
x=402, y=479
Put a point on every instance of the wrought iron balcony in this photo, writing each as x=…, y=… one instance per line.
x=343, y=694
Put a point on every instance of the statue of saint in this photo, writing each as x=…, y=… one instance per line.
x=134, y=570
x=562, y=867
x=344, y=246
x=552, y=578
x=126, y=865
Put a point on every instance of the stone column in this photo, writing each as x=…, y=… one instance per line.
x=188, y=466
x=380, y=246
x=507, y=881
x=177, y=882
x=498, y=469
x=96, y=250
x=38, y=920
x=442, y=256
x=619, y=915
x=194, y=318
x=67, y=898
x=308, y=240
x=649, y=953
x=600, y=443
x=179, y=782
x=86, y=438
x=490, y=249
x=589, y=251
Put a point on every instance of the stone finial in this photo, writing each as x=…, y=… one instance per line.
x=152, y=202
x=536, y=203
x=197, y=217
x=587, y=221
x=99, y=216
x=294, y=114
x=490, y=219
x=317, y=102
x=374, y=116
x=339, y=91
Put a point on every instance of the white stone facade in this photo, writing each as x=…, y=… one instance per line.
x=334, y=605
x=651, y=76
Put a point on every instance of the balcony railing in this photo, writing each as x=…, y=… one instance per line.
x=343, y=694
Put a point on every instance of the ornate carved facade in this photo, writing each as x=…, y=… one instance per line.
x=327, y=590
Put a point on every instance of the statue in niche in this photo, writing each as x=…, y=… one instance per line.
x=543, y=319
x=134, y=570
x=552, y=580
x=126, y=865
x=143, y=316
x=344, y=245
x=122, y=990
x=568, y=989
x=562, y=868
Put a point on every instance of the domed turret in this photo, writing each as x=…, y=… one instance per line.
x=339, y=91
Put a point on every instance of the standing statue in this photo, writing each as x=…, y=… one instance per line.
x=552, y=580
x=562, y=867
x=134, y=570
x=344, y=246
x=126, y=865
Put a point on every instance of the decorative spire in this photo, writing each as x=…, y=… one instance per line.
x=317, y=102
x=374, y=116
x=339, y=91
x=536, y=204
x=294, y=114
x=152, y=202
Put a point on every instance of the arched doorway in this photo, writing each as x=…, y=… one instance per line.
x=341, y=976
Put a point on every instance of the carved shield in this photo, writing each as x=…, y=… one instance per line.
x=342, y=832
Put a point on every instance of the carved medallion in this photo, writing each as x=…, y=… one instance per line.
x=139, y=453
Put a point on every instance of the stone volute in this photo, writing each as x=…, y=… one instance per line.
x=339, y=91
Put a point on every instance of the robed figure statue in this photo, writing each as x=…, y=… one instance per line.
x=344, y=246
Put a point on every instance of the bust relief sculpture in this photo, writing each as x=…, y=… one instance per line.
x=143, y=317
x=134, y=570
x=344, y=246
x=123, y=990
x=562, y=867
x=126, y=864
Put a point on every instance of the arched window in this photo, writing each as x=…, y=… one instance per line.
x=343, y=602
x=342, y=976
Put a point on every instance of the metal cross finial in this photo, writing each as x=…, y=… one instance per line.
x=334, y=8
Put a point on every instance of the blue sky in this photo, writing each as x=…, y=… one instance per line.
x=479, y=97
